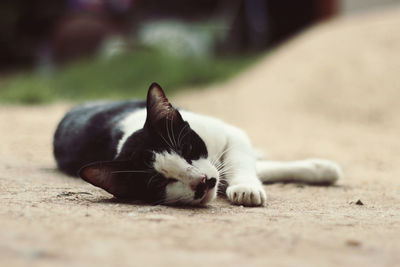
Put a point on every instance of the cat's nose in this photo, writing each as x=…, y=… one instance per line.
x=211, y=182
x=203, y=183
x=202, y=186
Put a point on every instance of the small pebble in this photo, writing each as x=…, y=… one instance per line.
x=353, y=243
x=359, y=202
x=159, y=217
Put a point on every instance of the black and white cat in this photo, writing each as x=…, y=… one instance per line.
x=154, y=152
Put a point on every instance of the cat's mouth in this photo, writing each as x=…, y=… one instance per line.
x=203, y=186
x=200, y=194
x=208, y=196
x=207, y=192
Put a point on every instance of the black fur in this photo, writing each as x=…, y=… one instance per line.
x=89, y=133
x=86, y=140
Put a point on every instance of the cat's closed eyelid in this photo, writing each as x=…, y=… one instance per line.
x=186, y=148
x=172, y=180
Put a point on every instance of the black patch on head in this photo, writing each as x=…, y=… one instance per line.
x=192, y=147
x=168, y=130
x=131, y=174
x=164, y=131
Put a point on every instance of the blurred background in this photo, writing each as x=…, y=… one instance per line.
x=84, y=49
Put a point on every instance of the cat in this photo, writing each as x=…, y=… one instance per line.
x=154, y=152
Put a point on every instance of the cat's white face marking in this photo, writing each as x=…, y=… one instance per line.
x=188, y=177
x=129, y=125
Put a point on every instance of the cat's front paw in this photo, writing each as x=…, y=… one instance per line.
x=247, y=195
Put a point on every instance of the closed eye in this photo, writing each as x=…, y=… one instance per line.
x=186, y=150
x=171, y=180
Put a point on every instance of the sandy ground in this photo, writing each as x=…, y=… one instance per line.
x=333, y=92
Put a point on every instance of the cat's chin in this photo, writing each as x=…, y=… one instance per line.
x=209, y=196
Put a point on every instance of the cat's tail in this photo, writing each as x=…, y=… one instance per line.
x=310, y=171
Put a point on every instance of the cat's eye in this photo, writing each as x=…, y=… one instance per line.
x=171, y=180
x=186, y=149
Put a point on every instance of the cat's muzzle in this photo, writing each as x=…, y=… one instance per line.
x=204, y=185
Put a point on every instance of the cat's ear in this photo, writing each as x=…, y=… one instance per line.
x=158, y=106
x=107, y=175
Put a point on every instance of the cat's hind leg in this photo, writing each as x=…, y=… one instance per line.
x=310, y=171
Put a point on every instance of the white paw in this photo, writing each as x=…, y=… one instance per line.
x=247, y=195
x=326, y=171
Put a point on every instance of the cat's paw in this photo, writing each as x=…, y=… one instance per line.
x=247, y=195
x=326, y=171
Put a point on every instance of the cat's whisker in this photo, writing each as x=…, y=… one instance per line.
x=225, y=167
x=173, y=135
x=217, y=165
x=180, y=133
x=151, y=179
x=148, y=165
x=184, y=135
x=166, y=142
x=221, y=166
x=226, y=172
x=169, y=137
x=217, y=158
x=224, y=175
x=222, y=154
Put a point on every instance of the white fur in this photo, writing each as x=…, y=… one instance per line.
x=180, y=193
x=307, y=171
x=207, y=167
x=230, y=150
x=232, y=146
x=171, y=165
x=130, y=124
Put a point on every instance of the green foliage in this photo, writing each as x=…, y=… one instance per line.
x=125, y=76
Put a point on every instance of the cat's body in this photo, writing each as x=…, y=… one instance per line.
x=153, y=152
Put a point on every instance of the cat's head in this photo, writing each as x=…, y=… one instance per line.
x=166, y=162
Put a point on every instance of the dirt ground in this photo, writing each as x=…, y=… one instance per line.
x=333, y=92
